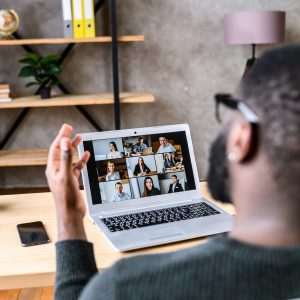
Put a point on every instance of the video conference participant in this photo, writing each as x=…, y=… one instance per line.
x=175, y=186
x=149, y=188
x=139, y=146
x=141, y=169
x=111, y=173
x=120, y=195
x=168, y=163
x=172, y=158
x=114, y=153
x=165, y=146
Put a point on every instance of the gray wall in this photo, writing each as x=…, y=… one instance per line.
x=183, y=61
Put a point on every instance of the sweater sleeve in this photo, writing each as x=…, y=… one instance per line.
x=75, y=266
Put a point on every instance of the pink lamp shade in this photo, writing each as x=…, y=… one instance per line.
x=254, y=27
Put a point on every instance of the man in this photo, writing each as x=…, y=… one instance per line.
x=139, y=146
x=165, y=146
x=120, y=195
x=254, y=162
x=175, y=186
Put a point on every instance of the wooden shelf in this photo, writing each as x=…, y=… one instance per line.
x=99, y=39
x=25, y=157
x=71, y=100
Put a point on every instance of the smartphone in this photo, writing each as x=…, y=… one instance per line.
x=33, y=233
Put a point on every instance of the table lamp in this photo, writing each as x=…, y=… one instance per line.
x=252, y=28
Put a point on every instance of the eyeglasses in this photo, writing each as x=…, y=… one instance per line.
x=228, y=101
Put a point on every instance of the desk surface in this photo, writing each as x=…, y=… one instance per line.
x=22, y=267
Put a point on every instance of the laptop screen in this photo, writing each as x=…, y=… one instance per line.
x=133, y=167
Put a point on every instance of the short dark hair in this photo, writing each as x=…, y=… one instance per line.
x=118, y=183
x=272, y=90
x=140, y=138
x=174, y=176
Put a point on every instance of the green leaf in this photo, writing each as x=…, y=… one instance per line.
x=50, y=59
x=34, y=57
x=31, y=83
x=27, y=72
x=27, y=60
x=52, y=69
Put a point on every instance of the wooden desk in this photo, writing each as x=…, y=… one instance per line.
x=22, y=267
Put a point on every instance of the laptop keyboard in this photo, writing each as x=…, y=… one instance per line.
x=161, y=216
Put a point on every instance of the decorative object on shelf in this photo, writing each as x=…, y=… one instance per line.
x=4, y=92
x=43, y=69
x=252, y=28
x=9, y=23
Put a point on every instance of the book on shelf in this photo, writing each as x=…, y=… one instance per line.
x=4, y=86
x=5, y=100
x=4, y=92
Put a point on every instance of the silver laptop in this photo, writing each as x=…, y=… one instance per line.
x=142, y=200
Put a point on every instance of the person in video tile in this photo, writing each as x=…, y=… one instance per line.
x=111, y=173
x=114, y=153
x=139, y=146
x=141, y=168
x=165, y=146
x=172, y=158
x=149, y=189
x=120, y=195
x=175, y=186
x=168, y=163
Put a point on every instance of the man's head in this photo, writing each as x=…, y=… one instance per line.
x=174, y=179
x=267, y=154
x=119, y=187
x=163, y=141
x=140, y=140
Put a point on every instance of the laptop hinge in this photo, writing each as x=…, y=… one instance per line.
x=152, y=206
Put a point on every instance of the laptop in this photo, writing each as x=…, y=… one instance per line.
x=147, y=151
x=142, y=203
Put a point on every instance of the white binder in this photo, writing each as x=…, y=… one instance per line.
x=67, y=18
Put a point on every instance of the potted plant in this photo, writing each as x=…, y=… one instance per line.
x=43, y=69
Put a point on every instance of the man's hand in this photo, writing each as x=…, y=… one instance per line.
x=62, y=179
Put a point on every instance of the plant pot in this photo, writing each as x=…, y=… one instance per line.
x=45, y=93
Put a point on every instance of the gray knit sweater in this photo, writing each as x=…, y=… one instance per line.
x=222, y=268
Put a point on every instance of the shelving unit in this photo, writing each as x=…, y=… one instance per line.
x=45, y=41
x=73, y=100
x=25, y=158
x=38, y=157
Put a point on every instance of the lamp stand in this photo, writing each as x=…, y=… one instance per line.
x=251, y=61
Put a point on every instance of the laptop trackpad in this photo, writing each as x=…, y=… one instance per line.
x=165, y=232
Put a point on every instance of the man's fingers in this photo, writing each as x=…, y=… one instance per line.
x=66, y=156
x=76, y=142
x=54, y=151
x=80, y=164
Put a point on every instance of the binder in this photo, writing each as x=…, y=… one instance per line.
x=67, y=18
x=89, y=18
x=78, y=28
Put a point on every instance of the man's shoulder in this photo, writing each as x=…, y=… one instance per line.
x=165, y=262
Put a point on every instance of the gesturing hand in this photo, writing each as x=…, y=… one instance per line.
x=62, y=179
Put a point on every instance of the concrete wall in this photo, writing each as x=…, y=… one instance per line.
x=183, y=61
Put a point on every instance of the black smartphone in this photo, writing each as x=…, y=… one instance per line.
x=33, y=233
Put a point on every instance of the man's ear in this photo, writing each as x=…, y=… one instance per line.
x=242, y=141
